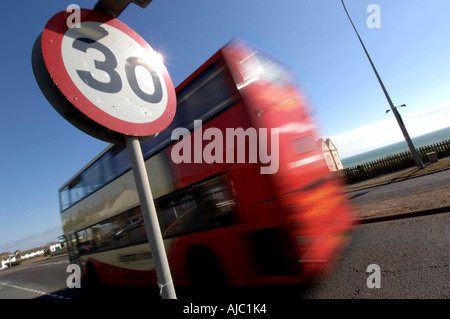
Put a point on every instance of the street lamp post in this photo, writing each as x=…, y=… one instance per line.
x=397, y=115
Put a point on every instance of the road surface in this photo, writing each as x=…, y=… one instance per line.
x=412, y=255
x=40, y=279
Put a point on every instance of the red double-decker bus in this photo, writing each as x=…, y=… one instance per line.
x=243, y=193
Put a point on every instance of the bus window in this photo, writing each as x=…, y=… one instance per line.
x=203, y=206
x=64, y=198
x=120, y=160
x=304, y=144
x=274, y=71
x=217, y=204
x=103, y=233
x=84, y=241
x=134, y=227
x=210, y=91
x=93, y=177
x=76, y=190
x=178, y=216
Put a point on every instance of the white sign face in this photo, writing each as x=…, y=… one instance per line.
x=109, y=73
x=125, y=84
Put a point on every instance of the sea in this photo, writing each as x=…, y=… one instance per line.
x=418, y=141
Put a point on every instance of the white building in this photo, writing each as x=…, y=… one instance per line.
x=54, y=247
x=331, y=155
x=38, y=251
x=6, y=259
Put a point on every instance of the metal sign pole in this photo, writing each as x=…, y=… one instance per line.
x=150, y=218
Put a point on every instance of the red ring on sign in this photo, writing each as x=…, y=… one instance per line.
x=52, y=38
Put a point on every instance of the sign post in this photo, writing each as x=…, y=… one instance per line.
x=167, y=290
x=108, y=82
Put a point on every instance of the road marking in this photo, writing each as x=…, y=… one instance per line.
x=51, y=263
x=34, y=290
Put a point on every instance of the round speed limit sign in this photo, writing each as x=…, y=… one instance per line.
x=109, y=73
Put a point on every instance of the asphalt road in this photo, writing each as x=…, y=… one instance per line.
x=40, y=279
x=412, y=255
x=410, y=186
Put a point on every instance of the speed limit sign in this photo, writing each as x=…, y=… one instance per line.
x=106, y=80
x=109, y=73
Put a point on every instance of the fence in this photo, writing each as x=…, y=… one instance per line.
x=394, y=163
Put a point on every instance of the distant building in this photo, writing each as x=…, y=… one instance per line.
x=3, y=257
x=54, y=246
x=30, y=253
x=331, y=155
x=6, y=259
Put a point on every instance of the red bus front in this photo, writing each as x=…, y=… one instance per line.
x=312, y=200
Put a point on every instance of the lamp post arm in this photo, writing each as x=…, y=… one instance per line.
x=413, y=150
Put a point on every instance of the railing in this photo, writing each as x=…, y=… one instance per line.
x=394, y=163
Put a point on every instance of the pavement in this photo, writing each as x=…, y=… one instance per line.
x=417, y=213
x=420, y=203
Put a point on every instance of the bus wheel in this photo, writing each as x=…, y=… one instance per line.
x=203, y=269
x=92, y=276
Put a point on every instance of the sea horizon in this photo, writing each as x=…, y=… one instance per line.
x=396, y=148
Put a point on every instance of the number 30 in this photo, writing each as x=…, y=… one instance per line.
x=109, y=65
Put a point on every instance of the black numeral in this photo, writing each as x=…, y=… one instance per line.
x=130, y=67
x=109, y=66
x=115, y=84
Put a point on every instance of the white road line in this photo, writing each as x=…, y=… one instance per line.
x=34, y=290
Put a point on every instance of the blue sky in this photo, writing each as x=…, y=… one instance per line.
x=411, y=49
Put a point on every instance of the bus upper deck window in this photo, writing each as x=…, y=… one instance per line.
x=76, y=190
x=64, y=198
x=304, y=145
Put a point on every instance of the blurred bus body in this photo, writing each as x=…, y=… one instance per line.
x=225, y=221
